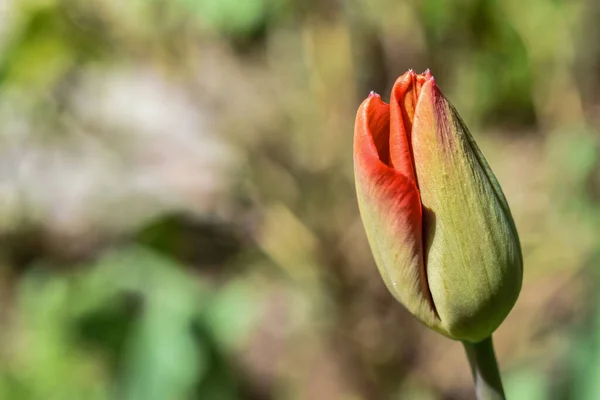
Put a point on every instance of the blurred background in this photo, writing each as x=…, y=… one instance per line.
x=177, y=208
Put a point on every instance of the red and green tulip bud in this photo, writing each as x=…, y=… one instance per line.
x=438, y=224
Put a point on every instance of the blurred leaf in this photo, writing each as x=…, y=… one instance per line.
x=150, y=342
x=48, y=40
x=48, y=365
x=585, y=353
x=231, y=16
x=575, y=154
x=526, y=384
x=162, y=359
x=233, y=312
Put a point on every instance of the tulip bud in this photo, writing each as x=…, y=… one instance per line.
x=438, y=224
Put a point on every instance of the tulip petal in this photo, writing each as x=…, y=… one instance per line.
x=471, y=243
x=402, y=109
x=391, y=212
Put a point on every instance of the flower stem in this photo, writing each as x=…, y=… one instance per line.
x=484, y=367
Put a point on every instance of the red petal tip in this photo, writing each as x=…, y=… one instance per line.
x=373, y=94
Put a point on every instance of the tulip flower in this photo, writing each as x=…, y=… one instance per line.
x=437, y=222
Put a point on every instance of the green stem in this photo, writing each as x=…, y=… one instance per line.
x=488, y=385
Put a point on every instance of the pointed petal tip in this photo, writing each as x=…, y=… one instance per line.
x=429, y=82
x=427, y=76
x=411, y=77
x=372, y=100
x=406, y=78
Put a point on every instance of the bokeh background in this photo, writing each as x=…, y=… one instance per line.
x=177, y=208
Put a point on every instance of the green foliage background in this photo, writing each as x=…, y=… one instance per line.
x=177, y=210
